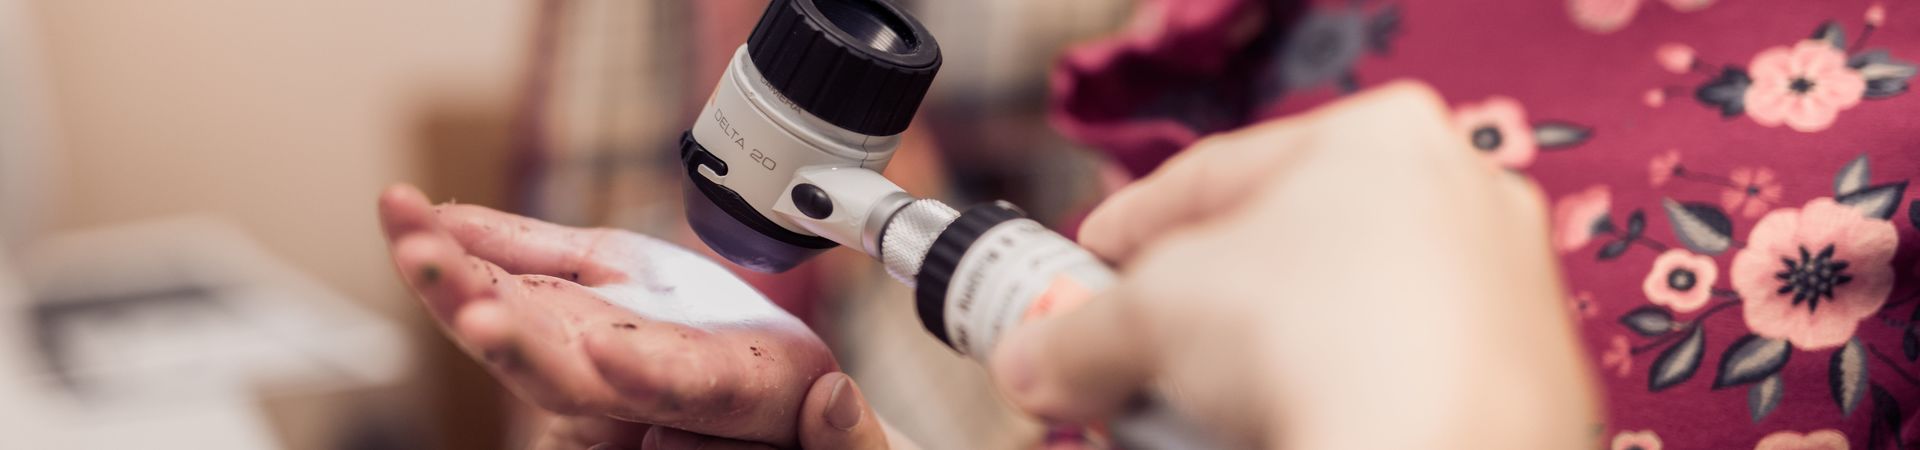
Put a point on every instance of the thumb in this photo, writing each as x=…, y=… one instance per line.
x=836, y=416
x=1208, y=179
x=1078, y=366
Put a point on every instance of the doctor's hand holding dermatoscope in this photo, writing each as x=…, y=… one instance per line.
x=1352, y=277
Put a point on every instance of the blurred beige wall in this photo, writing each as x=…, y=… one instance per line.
x=284, y=116
x=287, y=117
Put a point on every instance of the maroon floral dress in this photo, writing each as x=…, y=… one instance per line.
x=1729, y=177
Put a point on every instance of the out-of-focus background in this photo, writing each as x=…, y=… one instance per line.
x=189, y=256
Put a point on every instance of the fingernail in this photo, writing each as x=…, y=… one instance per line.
x=651, y=440
x=843, y=406
x=429, y=274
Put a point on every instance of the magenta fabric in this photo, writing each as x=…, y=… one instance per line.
x=1729, y=178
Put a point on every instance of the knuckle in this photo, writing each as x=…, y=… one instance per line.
x=1410, y=106
x=1409, y=94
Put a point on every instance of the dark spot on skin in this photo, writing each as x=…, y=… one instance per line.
x=625, y=326
x=496, y=280
x=756, y=351
x=429, y=274
x=728, y=401
x=575, y=276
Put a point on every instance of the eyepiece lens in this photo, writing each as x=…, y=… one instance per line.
x=870, y=23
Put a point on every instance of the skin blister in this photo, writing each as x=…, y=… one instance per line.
x=606, y=323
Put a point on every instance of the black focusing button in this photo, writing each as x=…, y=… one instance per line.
x=812, y=201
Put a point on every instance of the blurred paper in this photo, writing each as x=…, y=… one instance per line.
x=160, y=334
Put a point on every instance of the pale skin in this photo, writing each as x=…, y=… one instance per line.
x=1353, y=277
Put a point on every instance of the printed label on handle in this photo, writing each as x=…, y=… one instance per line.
x=1016, y=271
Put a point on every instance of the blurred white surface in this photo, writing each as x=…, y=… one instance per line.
x=163, y=334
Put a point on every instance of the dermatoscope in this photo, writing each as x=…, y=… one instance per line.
x=784, y=162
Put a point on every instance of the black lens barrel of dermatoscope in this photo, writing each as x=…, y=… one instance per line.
x=862, y=65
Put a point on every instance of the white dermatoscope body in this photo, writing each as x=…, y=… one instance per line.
x=784, y=162
x=775, y=151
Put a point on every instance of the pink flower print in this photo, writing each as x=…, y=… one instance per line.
x=1602, y=16
x=1809, y=275
x=1828, y=439
x=1654, y=98
x=1676, y=58
x=1636, y=440
x=1577, y=217
x=1805, y=86
x=1681, y=280
x=1689, y=5
x=1753, y=191
x=1877, y=15
x=1619, y=356
x=1498, y=128
x=1663, y=167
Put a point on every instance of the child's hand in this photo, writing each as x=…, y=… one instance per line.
x=599, y=323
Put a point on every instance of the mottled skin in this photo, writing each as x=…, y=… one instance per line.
x=611, y=329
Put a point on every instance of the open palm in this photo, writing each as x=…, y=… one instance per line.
x=603, y=323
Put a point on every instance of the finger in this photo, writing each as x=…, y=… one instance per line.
x=1207, y=179
x=432, y=264
x=663, y=438
x=518, y=326
x=662, y=378
x=743, y=384
x=532, y=352
x=836, y=415
x=1078, y=366
x=440, y=273
x=532, y=341
x=404, y=209
x=524, y=245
